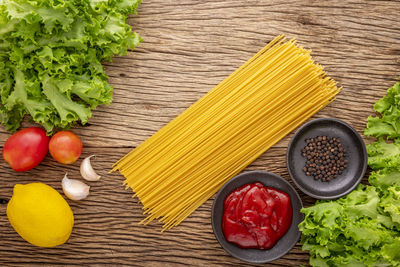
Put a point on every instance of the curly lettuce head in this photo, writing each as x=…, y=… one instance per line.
x=388, y=123
x=51, y=54
x=360, y=229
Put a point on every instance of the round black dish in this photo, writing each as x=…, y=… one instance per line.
x=284, y=244
x=356, y=155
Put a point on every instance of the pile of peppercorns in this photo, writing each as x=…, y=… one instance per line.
x=326, y=158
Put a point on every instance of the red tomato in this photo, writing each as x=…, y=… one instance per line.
x=65, y=147
x=25, y=149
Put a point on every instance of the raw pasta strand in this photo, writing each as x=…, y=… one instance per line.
x=205, y=99
x=185, y=143
x=271, y=106
x=213, y=131
x=188, y=160
x=212, y=112
x=184, y=196
x=210, y=152
x=215, y=107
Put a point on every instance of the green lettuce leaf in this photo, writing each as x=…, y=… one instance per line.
x=391, y=203
x=385, y=177
x=353, y=230
x=388, y=124
x=51, y=54
x=391, y=252
x=383, y=155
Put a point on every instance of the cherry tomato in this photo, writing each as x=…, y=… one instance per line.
x=25, y=149
x=65, y=147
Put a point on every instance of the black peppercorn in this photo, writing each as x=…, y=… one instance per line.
x=325, y=158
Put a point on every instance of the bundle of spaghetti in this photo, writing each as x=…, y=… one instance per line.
x=188, y=160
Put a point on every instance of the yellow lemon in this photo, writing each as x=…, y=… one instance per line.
x=40, y=215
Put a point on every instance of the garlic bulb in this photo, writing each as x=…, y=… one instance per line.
x=74, y=189
x=87, y=171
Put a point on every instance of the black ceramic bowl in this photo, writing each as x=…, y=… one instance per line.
x=284, y=244
x=356, y=155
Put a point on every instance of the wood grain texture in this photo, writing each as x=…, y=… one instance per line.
x=189, y=47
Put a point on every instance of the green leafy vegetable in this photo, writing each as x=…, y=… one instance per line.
x=359, y=229
x=385, y=177
x=383, y=155
x=50, y=58
x=363, y=228
x=389, y=108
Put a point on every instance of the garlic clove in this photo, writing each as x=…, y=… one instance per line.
x=87, y=170
x=74, y=189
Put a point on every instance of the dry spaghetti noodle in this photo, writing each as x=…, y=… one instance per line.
x=188, y=160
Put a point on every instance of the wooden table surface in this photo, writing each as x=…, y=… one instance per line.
x=189, y=46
